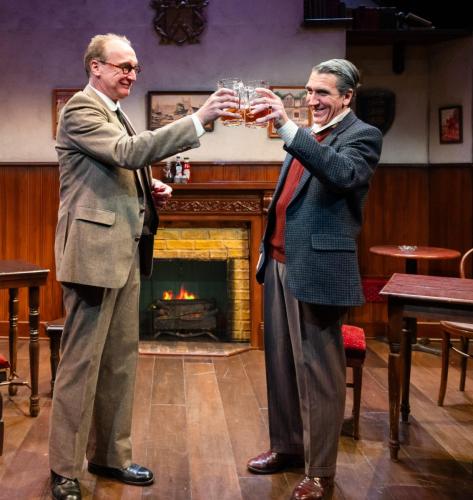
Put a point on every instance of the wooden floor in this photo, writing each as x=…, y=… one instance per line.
x=198, y=420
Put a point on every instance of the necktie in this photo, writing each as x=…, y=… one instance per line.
x=125, y=122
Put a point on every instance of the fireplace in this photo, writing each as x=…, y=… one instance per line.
x=200, y=284
x=220, y=221
x=187, y=298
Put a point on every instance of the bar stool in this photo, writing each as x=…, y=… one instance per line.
x=354, y=342
x=4, y=368
x=54, y=332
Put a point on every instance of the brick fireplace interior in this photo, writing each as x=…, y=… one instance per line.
x=206, y=269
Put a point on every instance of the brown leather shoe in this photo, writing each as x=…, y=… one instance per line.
x=271, y=461
x=311, y=488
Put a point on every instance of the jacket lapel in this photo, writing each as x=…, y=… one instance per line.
x=328, y=141
x=143, y=175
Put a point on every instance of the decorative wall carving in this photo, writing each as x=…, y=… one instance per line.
x=213, y=206
x=179, y=21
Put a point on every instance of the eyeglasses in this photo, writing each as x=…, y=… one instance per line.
x=126, y=68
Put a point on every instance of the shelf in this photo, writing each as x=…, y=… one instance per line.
x=408, y=36
x=327, y=22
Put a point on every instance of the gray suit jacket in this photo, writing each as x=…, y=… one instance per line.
x=101, y=215
x=324, y=216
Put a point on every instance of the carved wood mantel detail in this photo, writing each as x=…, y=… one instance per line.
x=214, y=206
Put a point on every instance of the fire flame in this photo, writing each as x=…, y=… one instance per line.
x=182, y=295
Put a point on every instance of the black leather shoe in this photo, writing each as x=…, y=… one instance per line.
x=134, y=474
x=63, y=488
x=270, y=462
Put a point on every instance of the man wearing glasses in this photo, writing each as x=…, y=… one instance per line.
x=104, y=238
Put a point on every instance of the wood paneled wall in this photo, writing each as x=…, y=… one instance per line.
x=28, y=213
x=407, y=204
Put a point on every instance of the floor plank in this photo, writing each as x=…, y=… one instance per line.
x=197, y=420
x=212, y=465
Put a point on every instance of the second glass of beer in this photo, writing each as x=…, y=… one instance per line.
x=236, y=85
x=250, y=94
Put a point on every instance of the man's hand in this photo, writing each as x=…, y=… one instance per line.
x=217, y=104
x=270, y=101
x=161, y=193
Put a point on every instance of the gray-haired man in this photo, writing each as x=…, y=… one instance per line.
x=310, y=272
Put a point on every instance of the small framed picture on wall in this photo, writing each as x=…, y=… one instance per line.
x=450, y=125
x=60, y=97
x=295, y=104
x=168, y=106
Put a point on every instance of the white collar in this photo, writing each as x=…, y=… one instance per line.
x=317, y=128
x=111, y=105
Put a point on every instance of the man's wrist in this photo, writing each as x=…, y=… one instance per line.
x=199, y=128
x=287, y=132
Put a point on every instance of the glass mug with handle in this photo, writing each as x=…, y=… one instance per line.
x=236, y=85
x=250, y=94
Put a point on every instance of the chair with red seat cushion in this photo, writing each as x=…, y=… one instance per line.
x=355, y=352
x=4, y=366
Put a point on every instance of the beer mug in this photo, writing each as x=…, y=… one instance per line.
x=250, y=94
x=236, y=85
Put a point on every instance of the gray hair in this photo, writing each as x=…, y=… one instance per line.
x=96, y=48
x=348, y=76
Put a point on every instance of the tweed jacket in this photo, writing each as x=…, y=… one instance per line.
x=101, y=214
x=324, y=216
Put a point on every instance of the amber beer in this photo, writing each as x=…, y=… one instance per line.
x=230, y=121
x=250, y=94
x=250, y=118
x=236, y=85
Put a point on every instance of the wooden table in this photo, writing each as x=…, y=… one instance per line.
x=413, y=253
x=417, y=296
x=15, y=274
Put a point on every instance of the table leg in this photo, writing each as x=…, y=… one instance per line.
x=411, y=266
x=12, y=336
x=408, y=332
x=394, y=375
x=33, y=293
x=422, y=344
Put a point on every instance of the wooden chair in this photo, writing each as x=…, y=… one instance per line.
x=462, y=330
x=355, y=352
x=4, y=367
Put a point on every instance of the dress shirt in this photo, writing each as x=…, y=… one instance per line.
x=113, y=106
x=289, y=130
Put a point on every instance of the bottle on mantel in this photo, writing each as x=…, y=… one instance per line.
x=179, y=177
x=167, y=172
x=187, y=169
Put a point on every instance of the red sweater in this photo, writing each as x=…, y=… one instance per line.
x=296, y=169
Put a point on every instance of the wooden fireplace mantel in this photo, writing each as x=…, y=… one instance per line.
x=226, y=202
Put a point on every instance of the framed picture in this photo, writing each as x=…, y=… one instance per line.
x=450, y=125
x=60, y=97
x=167, y=107
x=294, y=99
